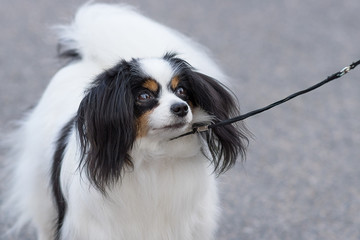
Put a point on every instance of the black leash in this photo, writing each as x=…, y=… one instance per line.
x=198, y=127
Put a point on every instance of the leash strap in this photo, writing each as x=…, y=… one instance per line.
x=197, y=128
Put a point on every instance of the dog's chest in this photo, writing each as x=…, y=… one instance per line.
x=156, y=202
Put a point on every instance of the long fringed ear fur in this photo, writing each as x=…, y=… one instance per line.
x=106, y=128
x=225, y=143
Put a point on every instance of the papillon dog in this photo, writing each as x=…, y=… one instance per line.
x=96, y=159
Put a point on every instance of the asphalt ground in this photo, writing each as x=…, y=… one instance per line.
x=301, y=179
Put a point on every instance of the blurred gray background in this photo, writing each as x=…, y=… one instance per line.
x=301, y=179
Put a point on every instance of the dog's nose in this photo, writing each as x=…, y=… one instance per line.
x=180, y=109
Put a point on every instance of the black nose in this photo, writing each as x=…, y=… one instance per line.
x=179, y=109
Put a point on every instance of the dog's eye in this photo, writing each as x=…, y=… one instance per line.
x=145, y=96
x=181, y=92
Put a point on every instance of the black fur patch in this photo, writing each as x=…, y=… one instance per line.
x=66, y=52
x=59, y=199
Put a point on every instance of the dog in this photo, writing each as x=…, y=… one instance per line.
x=97, y=159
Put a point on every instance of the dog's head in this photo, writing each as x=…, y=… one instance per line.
x=156, y=99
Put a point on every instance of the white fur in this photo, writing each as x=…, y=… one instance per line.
x=171, y=192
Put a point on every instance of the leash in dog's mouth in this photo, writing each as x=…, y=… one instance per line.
x=201, y=127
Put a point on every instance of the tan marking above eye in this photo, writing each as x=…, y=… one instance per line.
x=151, y=84
x=174, y=82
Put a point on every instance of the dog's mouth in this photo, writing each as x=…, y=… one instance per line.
x=173, y=126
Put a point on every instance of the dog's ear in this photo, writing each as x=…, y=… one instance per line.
x=227, y=142
x=106, y=126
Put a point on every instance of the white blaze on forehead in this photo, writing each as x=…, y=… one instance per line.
x=158, y=69
x=161, y=117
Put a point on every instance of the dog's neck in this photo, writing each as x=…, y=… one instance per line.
x=147, y=150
